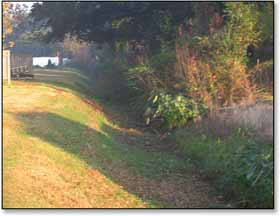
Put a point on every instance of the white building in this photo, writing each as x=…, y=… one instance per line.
x=43, y=61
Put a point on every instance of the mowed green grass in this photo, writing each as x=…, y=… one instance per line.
x=50, y=157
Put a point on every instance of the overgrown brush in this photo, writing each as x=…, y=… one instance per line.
x=206, y=64
x=212, y=71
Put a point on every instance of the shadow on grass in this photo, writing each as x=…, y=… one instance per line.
x=82, y=87
x=139, y=171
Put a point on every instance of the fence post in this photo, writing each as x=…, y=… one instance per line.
x=9, y=67
x=6, y=66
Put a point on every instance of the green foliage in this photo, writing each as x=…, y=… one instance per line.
x=241, y=167
x=242, y=27
x=142, y=68
x=266, y=21
x=172, y=111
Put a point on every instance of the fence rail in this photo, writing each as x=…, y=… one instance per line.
x=21, y=63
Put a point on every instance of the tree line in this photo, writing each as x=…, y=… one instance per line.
x=175, y=61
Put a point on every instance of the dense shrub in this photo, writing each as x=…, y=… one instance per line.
x=241, y=167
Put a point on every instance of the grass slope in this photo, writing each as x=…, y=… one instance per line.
x=61, y=151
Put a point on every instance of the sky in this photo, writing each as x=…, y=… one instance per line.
x=29, y=4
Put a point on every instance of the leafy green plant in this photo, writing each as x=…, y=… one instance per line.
x=173, y=111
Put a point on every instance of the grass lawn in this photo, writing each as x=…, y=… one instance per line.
x=60, y=150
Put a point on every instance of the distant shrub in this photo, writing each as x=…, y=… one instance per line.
x=108, y=77
x=50, y=65
x=37, y=66
x=241, y=167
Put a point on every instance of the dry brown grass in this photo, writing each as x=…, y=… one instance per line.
x=258, y=117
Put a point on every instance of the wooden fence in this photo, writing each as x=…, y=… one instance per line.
x=20, y=64
x=16, y=65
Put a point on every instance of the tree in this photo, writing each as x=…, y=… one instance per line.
x=7, y=25
x=79, y=51
x=109, y=22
